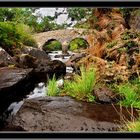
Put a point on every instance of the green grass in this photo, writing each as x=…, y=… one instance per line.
x=133, y=126
x=52, y=88
x=13, y=36
x=131, y=95
x=26, y=32
x=82, y=86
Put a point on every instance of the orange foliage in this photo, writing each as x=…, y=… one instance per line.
x=103, y=22
x=111, y=23
x=118, y=31
x=90, y=39
x=97, y=51
x=123, y=59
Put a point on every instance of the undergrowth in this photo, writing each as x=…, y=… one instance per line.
x=133, y=126
x=130, y=92
x=13, y=35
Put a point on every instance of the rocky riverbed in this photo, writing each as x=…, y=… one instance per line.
x=27, y=107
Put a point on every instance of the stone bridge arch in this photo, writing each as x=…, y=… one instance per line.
x=65, y=35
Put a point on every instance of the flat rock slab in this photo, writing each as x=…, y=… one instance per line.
x=11, y=76
x=14, y=83
x=67, y=114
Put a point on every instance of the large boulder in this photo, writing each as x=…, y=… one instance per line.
x=25, y=61
x=106, y=96
x=35, y=52
x=67, y=114
x=49, y=68
x=14, y=83
x=5, y=58
x=42, y=67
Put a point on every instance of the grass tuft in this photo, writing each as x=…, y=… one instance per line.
x=52, y=88
x=132, y=126
x=82, y=86
x=131, y=94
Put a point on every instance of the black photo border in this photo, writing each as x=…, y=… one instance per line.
x=68, y=3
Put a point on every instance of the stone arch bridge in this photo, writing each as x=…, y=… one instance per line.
x=60, y=35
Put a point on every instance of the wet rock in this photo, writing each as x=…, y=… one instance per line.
x=66, y=114
x=105, y=95
x=25, y=61
x=73, y=60
x=14, y=84
x=76, y=57
x=42, y=67
x=11, y=128
x=62, y=56
x=45, y=68
x=35, y=52
x=5, y=58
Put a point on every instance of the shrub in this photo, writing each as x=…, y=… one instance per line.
x=82, y=86
x=29, y=41
x=13, y=35
x=25, y=32
x=84, y=25
x=9, y=36
x=78, y=43
x=52, y=88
